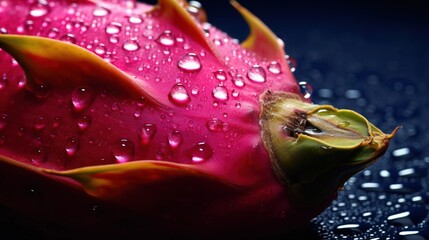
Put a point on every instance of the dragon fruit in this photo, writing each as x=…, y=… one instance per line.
x=119, y=117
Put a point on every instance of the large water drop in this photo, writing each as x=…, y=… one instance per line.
x=179, y=95
x=257, y=74
x=82, y=97
x=190, y=62
x=201, y=152
x=123, y=150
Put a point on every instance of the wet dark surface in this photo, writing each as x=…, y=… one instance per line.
x=372, y=58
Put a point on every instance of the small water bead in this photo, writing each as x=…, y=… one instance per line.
x=113, y=28
x=189, y=62
x=372, y=186
x=238, y=81
x=38, y=156
x=70, y=38
x=146, y=133
x=100, y=11
x=220, y=93
x=220, y=75
x=175, y=139
x=100, y=49
x=53, y=32
x=39, y=123
x=83, y=123
x=274, y=67
x=82, y=97
x=166, y=38
x=131, y=45
x=257, y=74
x=114, y=39
x=306, y=89
x=39, y=9
x=72, y=146
x=123, y=150
x=201, y=152
x=292, y=63
x=179, y=95
x=3, y=121
x=135, y=19
x=195, y=9
x=217, y=125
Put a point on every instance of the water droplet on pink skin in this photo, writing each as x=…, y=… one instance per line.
x=70, y=38
x=292, y=63
x=83, y=123
x=146, y=133
x=190, y=63
x=201, y=152
x=53, y=33
x=38, y=156
x=135, y=19
x=166, y=38
x=100, y=49
x=179, y=95
x=41, y=91
x=131, y=45
x=3, y=121
x=82, y=98
x=217, y=125
x=220, y=93
x=39, y=9
x=113, y=28
x=175, y=139
x=257, y=74
x=274, y=67
x=72, y=146
x=238, y=81
x=220, y=75
x=123, y=150
x=39, y=123
x=100, y=11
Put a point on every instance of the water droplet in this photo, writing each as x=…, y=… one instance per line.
x=220, y=93
x=72, y=146
x=53, y=33
x=306, y=89
x=274, y=67
x=39, y=123
x=114, y=39
x=70, y=38
x=146, y=133
x=3, y=121
x=100, y=49
x=166, y=38
x=201, y=152
x=39, y=9
x=235, y=93
x=131, y=45
x=175, y=139
x=123, y=150
x=83, y=123
x=135, y=19
x=351, y=228
x=217, y=125
x=256, y=74
x=372, y=186
x=113, y=28
x=292, y=63
x=220, y=75
x=195, y=9
x=413, y=216
x=82, y=98
x=39, y=156
x=190, y=62
x=238, y=81
x=100, y=11
x=179, y=95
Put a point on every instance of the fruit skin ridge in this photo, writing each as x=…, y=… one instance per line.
x=153, y=107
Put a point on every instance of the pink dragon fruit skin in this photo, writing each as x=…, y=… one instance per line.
x=157, y=116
